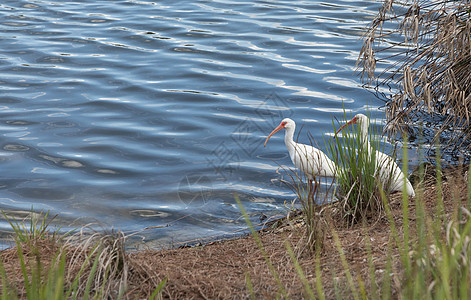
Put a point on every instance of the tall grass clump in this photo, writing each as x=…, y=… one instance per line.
x=37, y=229
x=51, y=267
x=43, y=278
x=438, y=262
x=30, y=240
x=424, y=50
x=313, y=203
x=314, y=194
x=109, y=272
x=358, y=185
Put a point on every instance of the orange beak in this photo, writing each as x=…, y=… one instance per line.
x=281, y=126
x=352, y=121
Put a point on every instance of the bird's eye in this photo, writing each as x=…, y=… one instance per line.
x=284, y=123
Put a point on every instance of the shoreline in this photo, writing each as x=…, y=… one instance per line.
x=237, y=268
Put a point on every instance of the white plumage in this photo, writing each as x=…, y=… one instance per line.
x=308, y=159
x=388, y=170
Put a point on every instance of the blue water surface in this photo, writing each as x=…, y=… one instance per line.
x=136, y=114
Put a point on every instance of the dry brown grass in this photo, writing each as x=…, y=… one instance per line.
x=428, y=57
x=222, y=270
x=97, y=264
x=112, y=267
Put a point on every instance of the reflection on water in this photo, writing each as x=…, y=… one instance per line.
x=136, y=114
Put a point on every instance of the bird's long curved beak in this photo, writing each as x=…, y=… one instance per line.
x=273, y=132
x=352, y=121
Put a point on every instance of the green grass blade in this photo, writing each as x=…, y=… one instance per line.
x=91, y=277
x=249, y=284
x=319, y=287
x=386, y=286
x=405, y=208
x=259, y=243
x=8, y=292
x=74, y=286
x=158, y=289
x=59, y=274
x=299, y=270
x=23, y=269
x=373, y=289
x=345, y=265
x=469, y=187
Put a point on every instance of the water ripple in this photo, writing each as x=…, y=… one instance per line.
x=127, y=111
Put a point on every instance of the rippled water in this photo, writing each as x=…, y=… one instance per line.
x=133, y=114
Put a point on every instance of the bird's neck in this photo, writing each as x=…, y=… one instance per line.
x=290, y=143
x=365, y=141
x=364, y=135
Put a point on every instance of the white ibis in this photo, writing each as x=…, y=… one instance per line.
x=389, y=172
x=308, y=159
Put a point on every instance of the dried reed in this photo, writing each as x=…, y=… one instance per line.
x=428, y=58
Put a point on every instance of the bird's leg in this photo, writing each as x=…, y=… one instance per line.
x=313, y=189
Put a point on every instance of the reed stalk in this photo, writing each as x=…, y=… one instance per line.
x=423, y=49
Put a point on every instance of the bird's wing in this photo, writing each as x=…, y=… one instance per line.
x=313, y=161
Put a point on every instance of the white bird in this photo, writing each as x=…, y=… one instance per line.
x=308, y=159
x=389, y=172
